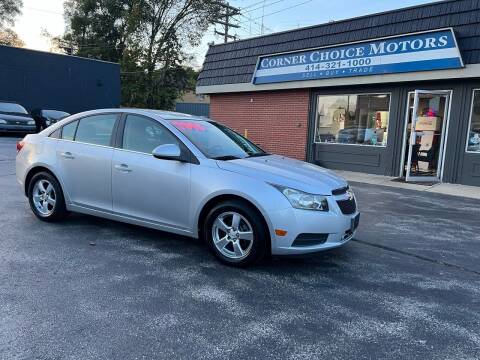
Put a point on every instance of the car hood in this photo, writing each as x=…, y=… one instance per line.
x=288, y=172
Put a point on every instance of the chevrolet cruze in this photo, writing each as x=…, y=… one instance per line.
x=187, y=175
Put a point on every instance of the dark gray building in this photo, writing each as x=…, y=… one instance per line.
x=394, y=93
x=38, y=79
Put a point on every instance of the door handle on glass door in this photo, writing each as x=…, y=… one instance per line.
x=67, y=155
x=123, y=167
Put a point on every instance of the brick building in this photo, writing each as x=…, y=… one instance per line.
x=277, y=121
x=394, y=93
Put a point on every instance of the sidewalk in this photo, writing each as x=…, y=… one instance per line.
x=472, y=192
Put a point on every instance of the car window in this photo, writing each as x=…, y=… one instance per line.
x=54, y=114
x=68, y=131
x=144, y=135
x=96, y=129
x=56, y=134
x=13, y=108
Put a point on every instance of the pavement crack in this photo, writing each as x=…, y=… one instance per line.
x=421, y=257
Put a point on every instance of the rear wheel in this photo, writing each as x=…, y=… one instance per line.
x=235, y=233
x=46, y=197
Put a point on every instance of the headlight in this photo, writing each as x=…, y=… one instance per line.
x=303, y=200
x=3, y=121
x=31, y=122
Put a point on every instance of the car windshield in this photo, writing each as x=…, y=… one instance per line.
x=12, y=108
x=216, y=141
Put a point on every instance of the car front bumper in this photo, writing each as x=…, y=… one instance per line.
x=317, y=230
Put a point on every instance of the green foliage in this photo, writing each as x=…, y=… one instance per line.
x=9, y=9
x=147, y=37
x=169, y=83
x=10, y=38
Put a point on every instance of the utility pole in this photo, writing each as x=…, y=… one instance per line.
x=225, y=20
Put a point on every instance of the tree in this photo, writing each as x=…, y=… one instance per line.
x=149, y=38
x=168, y=25
x=101, y=28
x=10, y=38
x=9, y=9
x=56, y=42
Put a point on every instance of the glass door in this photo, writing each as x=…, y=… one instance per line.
x=426, y=134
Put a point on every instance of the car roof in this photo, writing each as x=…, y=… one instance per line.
x=162, y=114
x=9, y=102
x=166, y=115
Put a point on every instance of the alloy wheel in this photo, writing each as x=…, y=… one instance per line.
x=44, y=197
x=232, y=235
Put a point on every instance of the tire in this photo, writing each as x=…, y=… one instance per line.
x=46, y=198
x=236, y=245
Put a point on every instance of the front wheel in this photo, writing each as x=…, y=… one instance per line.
x=236, y=234
x=46, y=197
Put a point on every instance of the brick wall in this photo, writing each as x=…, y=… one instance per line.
x=275, y=120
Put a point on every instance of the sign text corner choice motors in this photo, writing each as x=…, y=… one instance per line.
x=433, y=50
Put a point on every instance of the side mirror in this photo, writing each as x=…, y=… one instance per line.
x=167, y=152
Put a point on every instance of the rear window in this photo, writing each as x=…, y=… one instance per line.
x=68, y=131
x=56, y=134
x=96, y=129
x=12, y=108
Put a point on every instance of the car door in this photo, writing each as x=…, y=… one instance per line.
x=84, y=155
x=144, y=187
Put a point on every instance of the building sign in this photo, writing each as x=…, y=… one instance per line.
x=435, y=50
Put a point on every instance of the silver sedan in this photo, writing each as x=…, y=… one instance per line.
x=187, y=175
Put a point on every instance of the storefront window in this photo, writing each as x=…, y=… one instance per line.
x=474, y=131
x=353, y=119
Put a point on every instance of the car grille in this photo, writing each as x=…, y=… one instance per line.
x=347, y=206
x=17, y=122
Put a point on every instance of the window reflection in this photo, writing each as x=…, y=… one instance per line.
x=353, y=119
x=474, y=131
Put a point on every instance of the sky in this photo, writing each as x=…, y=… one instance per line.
x=278, y=15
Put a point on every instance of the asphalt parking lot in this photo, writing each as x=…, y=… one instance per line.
x=407, y=287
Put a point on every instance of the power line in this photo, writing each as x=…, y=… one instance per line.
x=284, y=9
x=44, y=11
x=252, y=5
x=250, y=21
x=261, y=7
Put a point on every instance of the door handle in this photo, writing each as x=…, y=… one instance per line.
x=67, y=155
x=123, y=168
